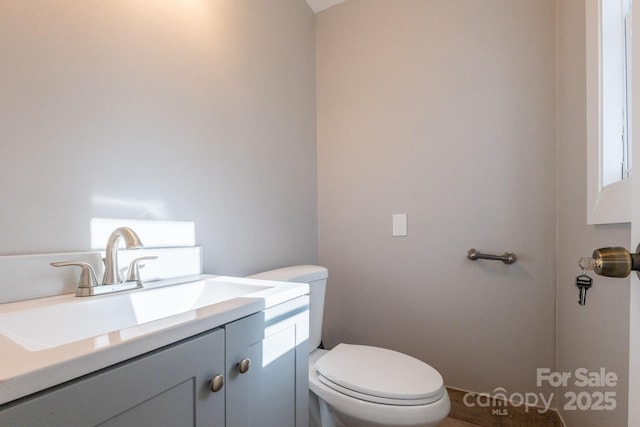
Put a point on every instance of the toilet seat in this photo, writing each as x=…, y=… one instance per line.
x=379, y=375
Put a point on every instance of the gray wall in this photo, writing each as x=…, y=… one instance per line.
x=596, y=335
x=181, y=110
x=445, y=110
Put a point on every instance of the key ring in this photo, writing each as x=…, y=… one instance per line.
x=585, y=263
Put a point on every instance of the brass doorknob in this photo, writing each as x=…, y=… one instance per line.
x=615, y=262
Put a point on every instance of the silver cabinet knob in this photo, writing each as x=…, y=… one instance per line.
x=244, y=365
x=217, y=383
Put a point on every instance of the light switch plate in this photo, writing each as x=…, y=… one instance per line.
x=399, y=225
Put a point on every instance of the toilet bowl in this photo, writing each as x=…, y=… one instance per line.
x=363, y=386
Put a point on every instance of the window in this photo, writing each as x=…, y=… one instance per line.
x=608, y=110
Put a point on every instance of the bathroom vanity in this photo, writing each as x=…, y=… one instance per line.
x=236, y=361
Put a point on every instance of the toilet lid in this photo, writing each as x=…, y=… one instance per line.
x=379, y=375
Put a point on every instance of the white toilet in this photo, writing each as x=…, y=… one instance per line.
x=363, y=386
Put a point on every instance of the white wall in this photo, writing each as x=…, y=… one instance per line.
x=445, y=110
x=596, y=335
x=186, y=110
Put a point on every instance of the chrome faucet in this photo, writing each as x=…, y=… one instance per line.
x=111, y=281
x=131, y=241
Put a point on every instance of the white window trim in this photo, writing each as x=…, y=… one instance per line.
x=610, y=204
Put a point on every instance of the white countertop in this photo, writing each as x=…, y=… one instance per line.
x=28, y=365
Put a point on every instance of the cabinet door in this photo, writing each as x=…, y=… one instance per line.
x=274, y=390
x=168, y=387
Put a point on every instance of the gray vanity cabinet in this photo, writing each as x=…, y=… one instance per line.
x=263, y=358
x=274, y=390
x=168, y=387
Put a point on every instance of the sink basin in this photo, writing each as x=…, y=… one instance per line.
x=47, y=324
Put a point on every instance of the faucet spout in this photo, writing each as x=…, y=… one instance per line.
x=131, y=241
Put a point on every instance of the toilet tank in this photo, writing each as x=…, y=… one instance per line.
x=316, y=277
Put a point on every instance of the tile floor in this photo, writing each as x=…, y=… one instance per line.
x=452, y=422
x=462, y=415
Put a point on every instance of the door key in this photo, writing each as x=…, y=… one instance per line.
x=583, y=282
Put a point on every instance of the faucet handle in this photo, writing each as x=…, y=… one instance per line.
x=134, y=269
x=87, y=276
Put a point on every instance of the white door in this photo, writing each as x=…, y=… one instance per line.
x=634, y=300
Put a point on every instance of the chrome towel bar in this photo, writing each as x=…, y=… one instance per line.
x=507, y=257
